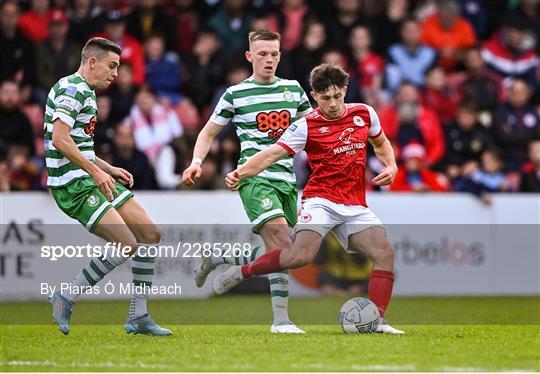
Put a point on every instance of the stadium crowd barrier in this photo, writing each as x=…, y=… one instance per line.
x=446, y=244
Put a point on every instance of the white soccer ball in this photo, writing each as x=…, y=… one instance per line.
x=359, y=315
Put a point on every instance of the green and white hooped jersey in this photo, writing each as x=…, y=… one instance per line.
x=261, y=112
x=73, y=102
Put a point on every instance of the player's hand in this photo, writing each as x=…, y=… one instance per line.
x=191, y=174
x=386, y=176
x=122, y=175
x=232, y=180
x=105, y=183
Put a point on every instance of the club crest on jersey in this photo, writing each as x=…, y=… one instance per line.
x=287, y=95
x=266, y=203
x=346, y=136
x=358, y=121
x=324, y=130
x=92, y=200
x=351, y=144
x=305, y=217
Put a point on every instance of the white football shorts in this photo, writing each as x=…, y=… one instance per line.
x=324, y=216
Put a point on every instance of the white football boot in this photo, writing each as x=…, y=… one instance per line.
x=227, y=280
x=233, y=277
x=289, y=328
x=205, y=267
x=385, y=328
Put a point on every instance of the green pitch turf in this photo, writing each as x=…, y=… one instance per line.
x=443, y=334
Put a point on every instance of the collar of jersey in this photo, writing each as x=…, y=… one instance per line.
x=252, y=80
x=345, y=111
x=84, y=80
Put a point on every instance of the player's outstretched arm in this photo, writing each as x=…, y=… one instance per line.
x=385, y=153
x=256, y=164
x=62, y=141
x=202, y=146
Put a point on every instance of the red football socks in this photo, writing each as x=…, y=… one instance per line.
x=266, y=264
x=380, y=288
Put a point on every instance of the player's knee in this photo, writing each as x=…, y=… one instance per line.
x=305, y=259
x=151, y=235
x=301, y=258
x=298, y=262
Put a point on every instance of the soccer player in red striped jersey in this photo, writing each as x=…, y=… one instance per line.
x=335, y=137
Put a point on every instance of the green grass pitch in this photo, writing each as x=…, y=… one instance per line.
x=232, y=334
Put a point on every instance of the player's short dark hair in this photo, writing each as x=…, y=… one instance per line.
x=324, y=76
x=96, y=47
x=263, y=35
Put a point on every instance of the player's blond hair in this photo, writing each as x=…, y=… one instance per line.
x=253, y=36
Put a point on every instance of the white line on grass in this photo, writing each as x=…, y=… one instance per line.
x=478, y=369
x=462, y=369
x=120, y=365
x=383, y=367
x=76, y=364
x=108, y=364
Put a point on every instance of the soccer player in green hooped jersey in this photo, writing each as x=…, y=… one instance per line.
x=262, y=107
x=91, y=191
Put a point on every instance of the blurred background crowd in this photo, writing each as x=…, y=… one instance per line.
x=456, y=83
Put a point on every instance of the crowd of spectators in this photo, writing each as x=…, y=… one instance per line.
x=456, y=83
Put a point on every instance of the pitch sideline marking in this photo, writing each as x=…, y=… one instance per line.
x=106, y=364
x=384, y=367
x=477, y=369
